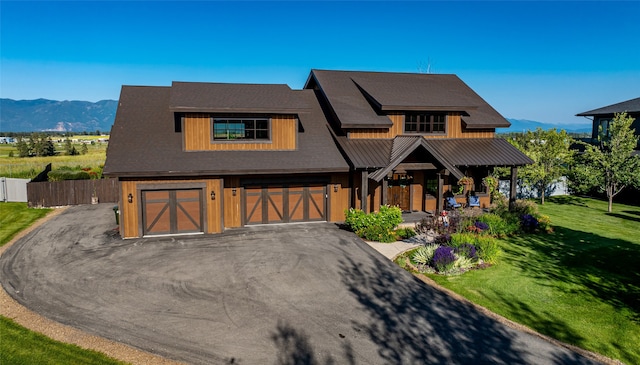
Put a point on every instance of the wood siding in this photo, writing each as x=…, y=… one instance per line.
x=339, y=200
x=232, y=202
x=454, y=130
x=130, y=212
x=417, y=190
x=197, y=135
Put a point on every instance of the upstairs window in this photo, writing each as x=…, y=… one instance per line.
x=232, y=129
x=425, y=123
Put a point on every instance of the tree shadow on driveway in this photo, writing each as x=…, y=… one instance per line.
x=413, y=323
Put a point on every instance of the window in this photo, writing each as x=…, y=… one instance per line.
x=231, y=129
x=603, y=127
x=425, y=123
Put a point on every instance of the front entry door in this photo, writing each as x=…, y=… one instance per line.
x=399, y=192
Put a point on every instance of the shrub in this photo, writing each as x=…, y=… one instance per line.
x=442, y=239
x=443, y=259
x=544, y=223
x=59, y=175
x=500, y=226
x=458, y=239
x=424, y=254
x=404, y=233
x=467, y=250
x=529, y=223
x=377, y=226
x=524, y=207
x=463, y=263
x=481, y=226
x=487, y=249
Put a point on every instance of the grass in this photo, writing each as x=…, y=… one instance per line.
x=14, y=217
x=29, y=167
x=580, y=284
x=19, y=345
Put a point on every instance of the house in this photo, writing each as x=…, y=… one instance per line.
x=601, y=117
x=202, y=157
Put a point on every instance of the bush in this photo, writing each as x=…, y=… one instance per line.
x=377, y=226
x=487, y=249
x=529, y=223
x=524, y=207
x=424, y=254
x=60, y=175
x=499, y=226
x=458, y=239
x=404, y=233
x=443, y=259
x=467, y=250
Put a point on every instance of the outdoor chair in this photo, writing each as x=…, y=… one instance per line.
x=474, y=201
x=452, y=203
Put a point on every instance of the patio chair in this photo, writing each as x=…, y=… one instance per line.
x=452, y=203
x=474, y=201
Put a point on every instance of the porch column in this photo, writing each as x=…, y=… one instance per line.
x=440, y=197
x=513, y=187
x=385, y=189
x=364, y=190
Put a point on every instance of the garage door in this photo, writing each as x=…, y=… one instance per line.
x=172, y=211
x=280, y=204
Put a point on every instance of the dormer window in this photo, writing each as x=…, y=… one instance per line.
x=232, y=129
x=422, y=123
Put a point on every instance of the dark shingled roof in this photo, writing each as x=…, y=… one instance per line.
x=354, y=97
x=383, y=155
x=220, y=97
x=144, y=142
x=631, y=106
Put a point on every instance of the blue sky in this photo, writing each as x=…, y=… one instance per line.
x=543, y=60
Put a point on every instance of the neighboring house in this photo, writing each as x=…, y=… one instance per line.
x=602, y=117
x=202, y=157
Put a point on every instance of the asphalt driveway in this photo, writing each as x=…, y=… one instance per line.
x=295, y=294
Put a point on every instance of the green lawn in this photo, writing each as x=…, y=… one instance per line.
x=21, y=346
x=580, y=285
x=14, y=217
x=18, y=345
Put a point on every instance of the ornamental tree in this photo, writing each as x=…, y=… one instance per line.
x=612, y=163
x=551, y=155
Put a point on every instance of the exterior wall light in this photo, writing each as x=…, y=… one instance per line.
x=213, y=195
x=335, y=188
x=130, y=198
x=233, y=191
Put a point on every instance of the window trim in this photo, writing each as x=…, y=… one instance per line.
x=268, y=119
x=431, y=123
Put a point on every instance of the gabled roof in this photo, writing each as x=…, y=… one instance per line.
x=359, y=98
x=383, y=155
x=631, y=106
x=239, y=98
x=144, y=142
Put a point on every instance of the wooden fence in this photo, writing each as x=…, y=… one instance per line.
x=71, y=192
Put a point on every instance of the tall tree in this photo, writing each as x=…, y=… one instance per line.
x=551, y=154
x=612, y=162
x=23, y=147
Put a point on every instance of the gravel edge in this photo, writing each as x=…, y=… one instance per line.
x=63, y=333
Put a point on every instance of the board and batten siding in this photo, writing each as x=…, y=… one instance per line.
x=454, y=130
x=198, y=137
x=130, y=212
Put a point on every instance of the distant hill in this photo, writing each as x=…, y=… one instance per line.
x=51, y=115
x=80, y=116
x=519, y=125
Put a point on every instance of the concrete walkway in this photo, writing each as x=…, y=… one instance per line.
x=392, y=250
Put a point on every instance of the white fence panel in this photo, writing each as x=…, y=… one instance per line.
x=13, y=190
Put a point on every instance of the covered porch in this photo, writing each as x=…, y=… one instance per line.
x=426, y=175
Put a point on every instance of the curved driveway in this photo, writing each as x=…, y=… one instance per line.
x=295, y=294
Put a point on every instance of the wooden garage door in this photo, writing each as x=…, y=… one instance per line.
x=280, y=204
x=172, y=211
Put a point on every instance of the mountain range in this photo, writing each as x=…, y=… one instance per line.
x=80, y=116
x=52, y=115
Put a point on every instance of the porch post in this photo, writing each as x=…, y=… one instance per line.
x=513, y=187
x=440, y=197
x=364, y=190
x=385, y=188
